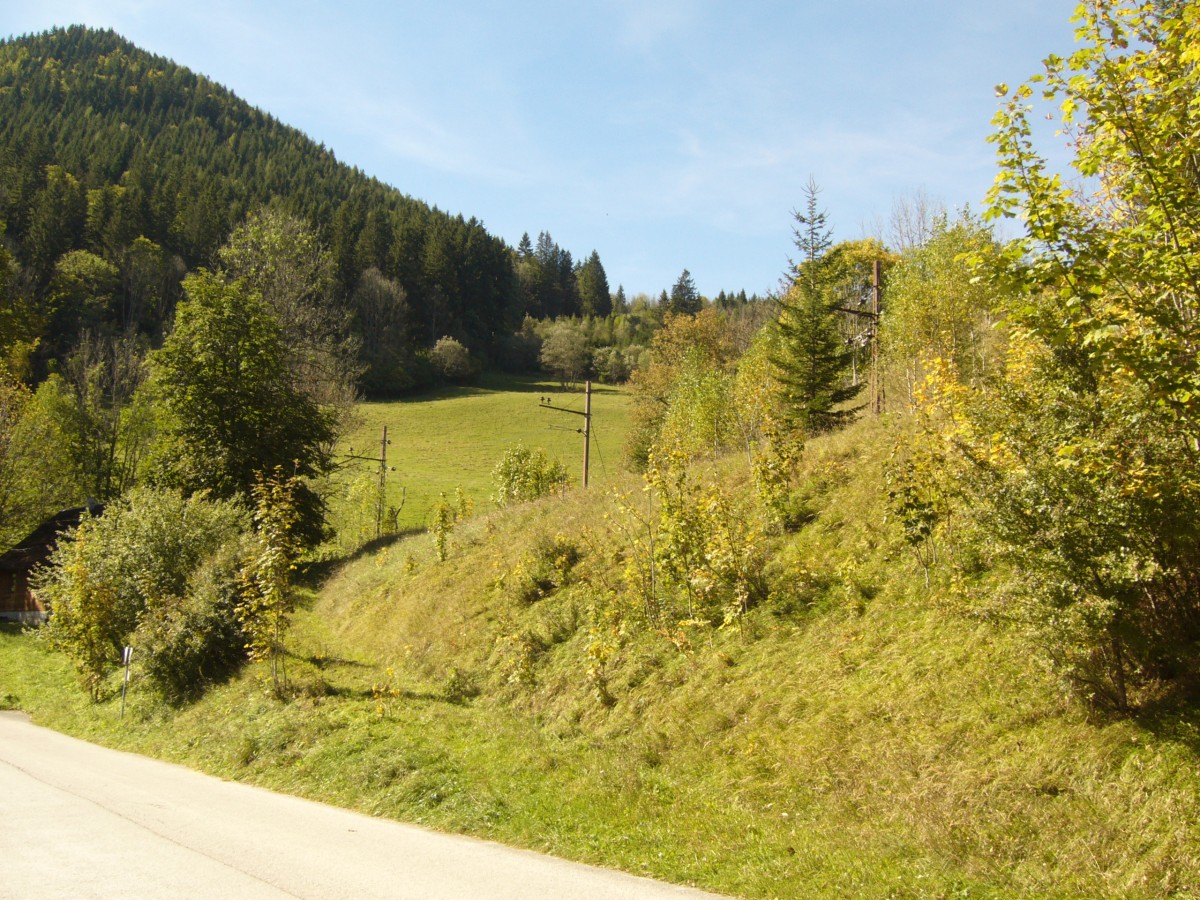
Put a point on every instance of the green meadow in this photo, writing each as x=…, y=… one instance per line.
x=452, y=438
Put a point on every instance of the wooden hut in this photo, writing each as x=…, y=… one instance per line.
x=18, y=601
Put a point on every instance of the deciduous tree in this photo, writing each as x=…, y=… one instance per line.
x=279, y=257
x=14, y=400
x=107, y=425
x=234, y=411
x=21, y=323
x=34, y=483
x=565, y=352
x=79, y=299
x=691, y=358
x=381, y=316
x=937, y=309
x=1082, y=456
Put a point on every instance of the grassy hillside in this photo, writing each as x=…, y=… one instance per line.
x=453, y=437
x=858, y=735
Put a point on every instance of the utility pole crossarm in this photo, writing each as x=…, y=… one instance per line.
x=546, y=403
x=861, y=313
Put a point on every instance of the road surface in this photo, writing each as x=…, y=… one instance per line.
x=78, y=820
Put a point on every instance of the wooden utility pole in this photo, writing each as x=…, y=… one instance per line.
x=380, y=500
x=586, y=430
x=873, y=318
x=876, y=381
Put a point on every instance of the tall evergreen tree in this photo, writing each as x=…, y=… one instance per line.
x=684, y=299
x=620, y=305
x=57, y=221
x=594, y=299
x=812, y=360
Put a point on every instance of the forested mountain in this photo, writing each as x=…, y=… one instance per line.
x=109, y=150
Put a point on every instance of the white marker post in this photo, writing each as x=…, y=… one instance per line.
x=126, y=659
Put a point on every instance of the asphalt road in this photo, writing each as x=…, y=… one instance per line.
x=77, y=821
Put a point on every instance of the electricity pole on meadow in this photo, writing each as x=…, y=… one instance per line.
x=586, y=430
x=383, y=470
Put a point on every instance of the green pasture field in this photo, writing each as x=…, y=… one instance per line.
x=453, y=438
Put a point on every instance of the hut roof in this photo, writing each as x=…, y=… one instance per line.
x=38, y=546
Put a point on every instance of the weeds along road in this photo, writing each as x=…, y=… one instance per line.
x=77, y=820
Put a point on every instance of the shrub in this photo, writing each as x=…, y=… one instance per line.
x=194, y=640
x=145, y=573
x=443, y=518
x=523, y=474
x=544, y=569
x=452, y=360
x=695, y=556
x=611, y=365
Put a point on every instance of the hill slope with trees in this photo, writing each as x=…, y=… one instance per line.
x=147, y=167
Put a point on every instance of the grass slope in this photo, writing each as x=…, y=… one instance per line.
x=861, y=735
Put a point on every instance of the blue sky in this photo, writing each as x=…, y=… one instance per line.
x=664, y=135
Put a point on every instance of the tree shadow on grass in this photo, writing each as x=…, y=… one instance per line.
x=313, y=574
x=305, y=684
x=350, y=693
x=502, y=384
x=1171, y=714
x=327, y=662
x=301, y=686
x=444, y=392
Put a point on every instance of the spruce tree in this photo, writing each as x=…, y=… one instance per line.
x=620, y=306
x=812, y=360
x=592, y=283
x=685, y=299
